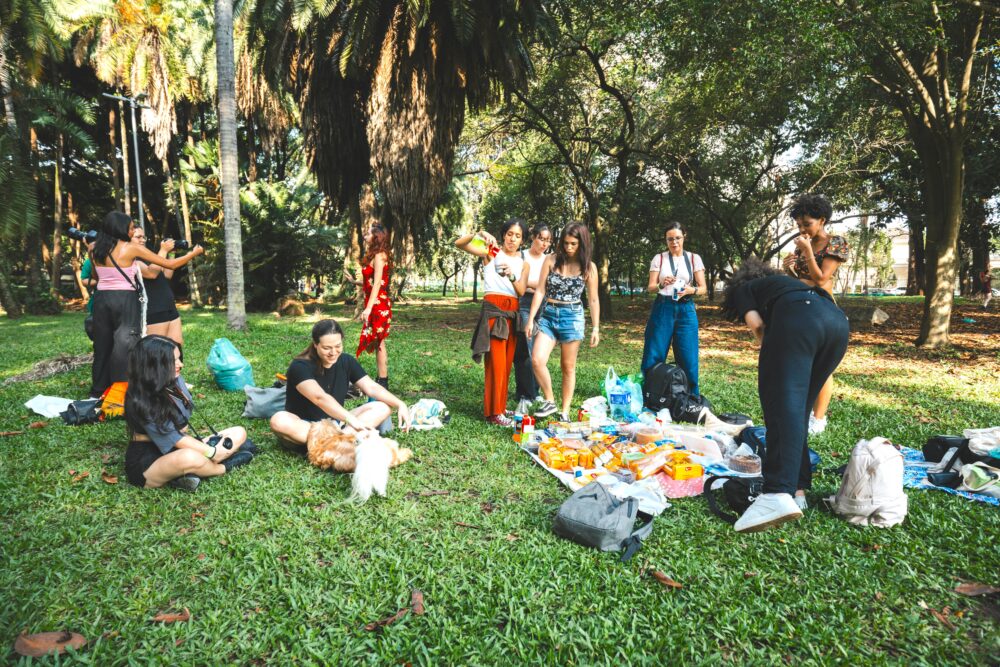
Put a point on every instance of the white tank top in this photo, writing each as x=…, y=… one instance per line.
x=534, y=267
x=497, y=284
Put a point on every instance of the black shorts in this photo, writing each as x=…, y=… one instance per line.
x=139, y=455
x=162, y=316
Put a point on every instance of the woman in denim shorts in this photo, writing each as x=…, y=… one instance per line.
x=559, y=311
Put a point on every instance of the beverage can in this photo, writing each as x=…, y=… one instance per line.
x=527, y=424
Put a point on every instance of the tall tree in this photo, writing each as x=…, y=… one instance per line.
x=236, y=315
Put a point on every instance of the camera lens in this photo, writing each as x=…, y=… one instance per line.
x=181, y=244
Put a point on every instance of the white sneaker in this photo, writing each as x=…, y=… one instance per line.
x=816, y=425
x=769, y=509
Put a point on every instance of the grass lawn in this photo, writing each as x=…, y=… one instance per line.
x=276, y=569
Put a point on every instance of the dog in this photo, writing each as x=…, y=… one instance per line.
x=367, y=454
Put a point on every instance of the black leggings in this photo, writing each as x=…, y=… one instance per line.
x=803, y=344
x=117, y=320
x=524, y=375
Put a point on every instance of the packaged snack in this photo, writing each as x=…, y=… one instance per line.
x=744, y=460
x=647, y=435
x=586, y=458
x=679, y=467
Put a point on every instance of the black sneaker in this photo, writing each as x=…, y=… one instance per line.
x=238, y=459
x=545, y=409
x=188, y=482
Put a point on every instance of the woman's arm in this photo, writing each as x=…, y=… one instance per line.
x=327, y=403
x=594, y=301
x=756, y=324
x=379, y=265
x=134, y=252
x=372, y=389
x=212, y=453
x=521, y=284
x=699, y=286
x=539, y=297
x=462, y=243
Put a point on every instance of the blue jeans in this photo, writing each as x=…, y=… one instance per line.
x=676, y=323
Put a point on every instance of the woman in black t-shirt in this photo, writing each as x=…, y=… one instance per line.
x=317, y=388
x=803, y=337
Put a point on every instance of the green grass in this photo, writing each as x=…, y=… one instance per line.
x=276, y=569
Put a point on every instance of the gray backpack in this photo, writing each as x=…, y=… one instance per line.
x=595, y=518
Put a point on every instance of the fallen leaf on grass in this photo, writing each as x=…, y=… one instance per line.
x=197, y=515
x=388, y=621
x=105, y=458
x=200, y=395
x=37, y=425
x=879, y=596
x=182, y=617
x=427, y=354
x=511, y=537
x=665, y=580
x=109, y=479
x=872, y=547
x=110, y=635
x=417, y=602
x=425, y=494
x=462, y=524
x=943, y=617
x=4, y=434
x=973, y=588
x=44, y=643
x=748, y=575
x=83, y=475
x=201, y=556
x=487, y=508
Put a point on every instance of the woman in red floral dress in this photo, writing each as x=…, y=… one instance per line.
x=377, y=314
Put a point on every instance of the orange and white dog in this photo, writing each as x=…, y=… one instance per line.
x=367, y=454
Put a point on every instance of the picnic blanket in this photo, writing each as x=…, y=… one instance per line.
x=915, y=477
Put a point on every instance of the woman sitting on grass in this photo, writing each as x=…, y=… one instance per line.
x=317, y=388
x=564, y=276
x=803, y=336
x=158, y=408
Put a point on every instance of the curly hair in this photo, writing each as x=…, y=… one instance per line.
x=751, y=269
x=380, y=243
x=812, y=204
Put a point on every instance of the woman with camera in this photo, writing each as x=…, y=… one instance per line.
x=505, y=278
x=803, y=336
x=119, y=298
x=162, y=318
x=676, y=277
x=158, y=408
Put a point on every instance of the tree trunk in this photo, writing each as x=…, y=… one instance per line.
x=7, y=298
x=112, y=157
x=229, y=164
x=915, y=267
x=186, y=215
x=57, y=214
x=5, y=91
x=943, y=185
x=123, y=133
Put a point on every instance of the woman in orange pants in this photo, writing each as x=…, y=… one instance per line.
x=495, y=336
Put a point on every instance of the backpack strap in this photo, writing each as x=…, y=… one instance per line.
x=634, y=541
x=139, y=289
x=713, y=504
x=687, y=260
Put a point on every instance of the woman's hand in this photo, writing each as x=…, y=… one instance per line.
x=788, y=262
x=489, y=238
x=166, y=246
x=595, y=337
x=405, y=421
x=666, y=282
x=197, y=250
x=689, y=290
x=365, y=315
x=803, y=244
x=528, y=327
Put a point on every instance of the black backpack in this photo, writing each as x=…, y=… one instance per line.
x=739, y=492
x=689, y=408
x=662, y=384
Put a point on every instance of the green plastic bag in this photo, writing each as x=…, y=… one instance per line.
x=230, y=369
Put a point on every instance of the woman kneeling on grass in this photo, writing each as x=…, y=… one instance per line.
x=558, y=299
x=803, y=337
x=158, y=408
x=317, y=388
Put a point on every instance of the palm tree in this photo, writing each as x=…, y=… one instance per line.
x=229, y=162
x=383, y=87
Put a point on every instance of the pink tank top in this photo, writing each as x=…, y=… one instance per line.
x=109, y=278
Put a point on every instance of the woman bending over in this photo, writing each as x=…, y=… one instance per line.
x=558, y=297
x=158, y=408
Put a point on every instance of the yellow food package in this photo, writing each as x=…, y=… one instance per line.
x=572, y=457
x=586, y=458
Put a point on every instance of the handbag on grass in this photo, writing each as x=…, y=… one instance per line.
x=593, y=517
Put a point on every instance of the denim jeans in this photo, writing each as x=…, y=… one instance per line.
x=524, y=376
x=673, y=323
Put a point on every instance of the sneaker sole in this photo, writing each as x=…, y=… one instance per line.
x=546, y=413
x=770, y=524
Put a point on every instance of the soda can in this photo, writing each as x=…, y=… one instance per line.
x=527, y=424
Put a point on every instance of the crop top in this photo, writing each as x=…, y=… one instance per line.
x=567, y=289
x=166, y=436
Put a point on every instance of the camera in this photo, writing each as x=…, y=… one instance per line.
x=80, y=235
x=679, y=285
x=181, y=244
x=218, y=440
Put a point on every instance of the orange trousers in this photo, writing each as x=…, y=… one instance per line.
x=498, y=361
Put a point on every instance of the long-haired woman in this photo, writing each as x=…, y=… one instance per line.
x=526, y=386
x=158, y=408
x=317, y=387
x=803, y=337
x=558, y=297
x=815, y=261
x=495, y=335
x=376, y=318
x=676, y=277
x=162, y=318
x=117, y=303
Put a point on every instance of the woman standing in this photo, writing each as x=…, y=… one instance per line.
x=524, y=376
x=495, y=335
x=376, y=317
x=162, y=318
x=675, y=276
x=558, y=296
x=119, y=297
x=803, y=337
x=815, y=262
x=158, y=407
